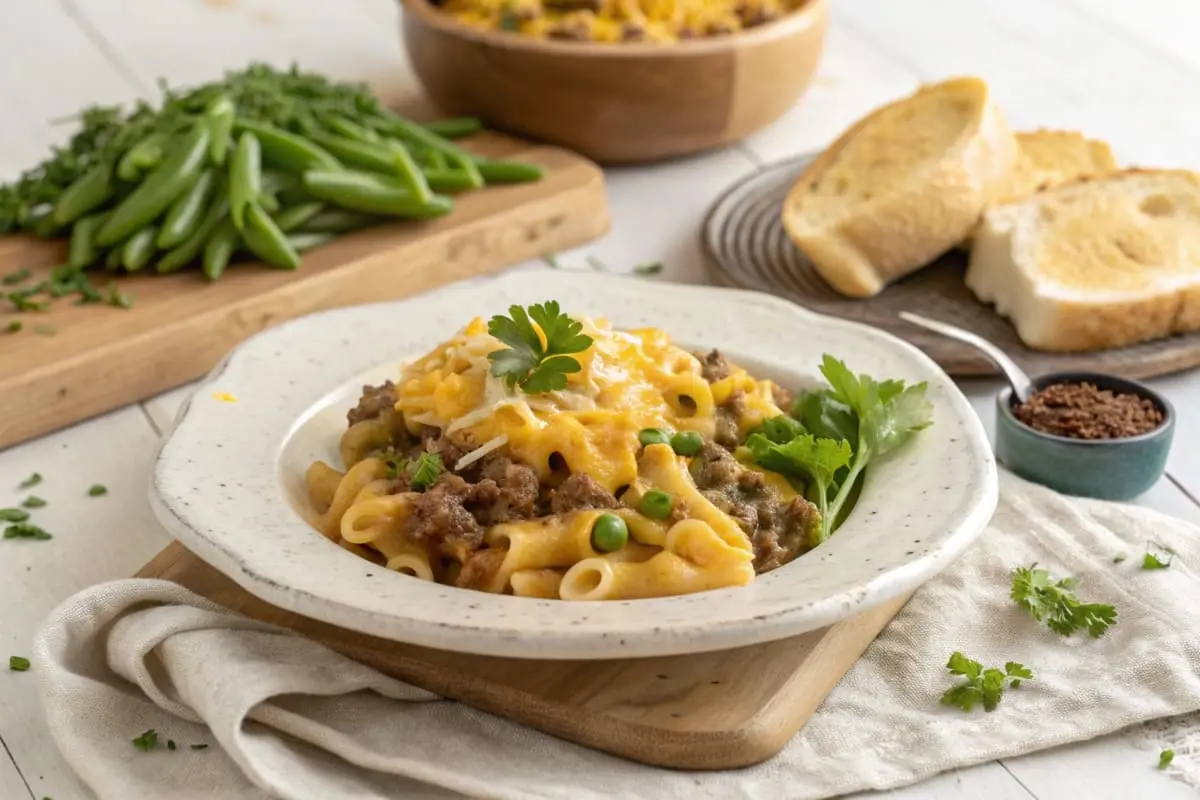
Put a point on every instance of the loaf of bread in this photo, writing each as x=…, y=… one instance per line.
x=1097, y=263
x=902, y=186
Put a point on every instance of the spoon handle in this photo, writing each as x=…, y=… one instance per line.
x=1022, y=385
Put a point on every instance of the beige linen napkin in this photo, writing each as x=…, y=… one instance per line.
x=288, y=718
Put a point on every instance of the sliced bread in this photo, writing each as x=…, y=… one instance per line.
x=1049, y=158
x=1097, y=263
x=902, y=186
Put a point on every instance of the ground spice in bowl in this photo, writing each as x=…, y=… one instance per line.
x=1083, y=411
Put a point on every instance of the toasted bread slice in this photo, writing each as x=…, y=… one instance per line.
x=1097, y=263
x=1049, y=158
x=902, y=186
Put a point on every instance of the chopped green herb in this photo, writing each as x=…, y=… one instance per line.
x=33, y=501
x=23, y=302
x=30, y=482
x=509, y=21
x=13, y=515
x=1165, y=758
x=551, y=260
x=147, y=741
x=97, y=490
x=1055, y=603
x=26, y=530
x=88, y=294
x=118, y=298
x=595, y=264
x=18, y=663
x=425, y=471
x=171, y=745
x=199, y=747
x=15, y=277
x=982, y=686
x=652, y=268
x=526, y=362
x=45, y=330
x=14, y=326
x=1154, y=560
x=1119, y=557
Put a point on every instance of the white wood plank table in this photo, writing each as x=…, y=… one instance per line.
x=1123, y=71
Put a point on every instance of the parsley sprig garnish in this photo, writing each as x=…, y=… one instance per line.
x=833, y=433
x=1054, y=603
x=982, y=686
x=534, y=364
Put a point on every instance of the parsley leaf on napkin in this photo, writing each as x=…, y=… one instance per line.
x=982, y=686
x=1055, y=603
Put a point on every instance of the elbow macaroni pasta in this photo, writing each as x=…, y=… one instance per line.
x=627, y=382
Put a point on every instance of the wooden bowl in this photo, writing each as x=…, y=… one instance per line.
x=617, y=103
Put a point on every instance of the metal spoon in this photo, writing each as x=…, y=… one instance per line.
x=1022, y=386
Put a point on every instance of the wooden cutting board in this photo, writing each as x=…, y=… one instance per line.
x=704, y=711
x=102, y=357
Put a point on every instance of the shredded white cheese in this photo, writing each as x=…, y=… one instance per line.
x=481, y=451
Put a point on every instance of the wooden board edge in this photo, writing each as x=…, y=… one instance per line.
x=765, y=734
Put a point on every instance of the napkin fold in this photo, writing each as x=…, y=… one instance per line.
x=288, y=718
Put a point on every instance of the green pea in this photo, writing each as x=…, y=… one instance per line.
x=656, y=504
x=609, y=533
x=687, y=443
x=649, y=436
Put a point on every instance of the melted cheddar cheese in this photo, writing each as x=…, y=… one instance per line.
x=628, y=381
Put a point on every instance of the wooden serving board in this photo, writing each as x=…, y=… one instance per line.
x=102, y=357
x=705, y=711
x=748, y=248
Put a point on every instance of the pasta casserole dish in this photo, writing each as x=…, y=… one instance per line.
x=551, y=456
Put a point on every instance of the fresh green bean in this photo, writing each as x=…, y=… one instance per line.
x=288, y=151
x=84, y=195
x=187, y=251
x=81, y=252
x=447, y=180
x=137, y=250
x=169, y=180
x=220, y=248
x=289, y=219
x=351, y=130
x=455, y=128
x=220, y=113
x=112, y=261
x=509, y=172
x=410, y=174
x=144, y=155
x=412, y=132
x=266, y=241
x=245, y=177
x=187, y=212
x=356, y=153
x=307, y=241
x=336, y=220
x=359, y=191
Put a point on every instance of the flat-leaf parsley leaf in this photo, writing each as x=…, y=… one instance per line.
x=1154, y=560
x=536, y=362
x=147, y=741
x=1054, y=603
x=982, y=686
x=18, y=663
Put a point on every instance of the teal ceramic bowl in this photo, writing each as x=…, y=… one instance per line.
x=1109, y=469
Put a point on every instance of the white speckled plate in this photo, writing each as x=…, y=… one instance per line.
x=228, y=481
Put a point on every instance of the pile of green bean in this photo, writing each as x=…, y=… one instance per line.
x=265, y=164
